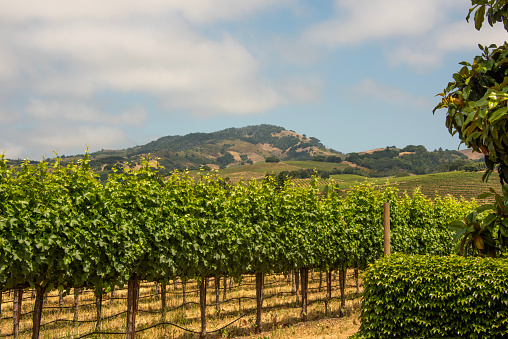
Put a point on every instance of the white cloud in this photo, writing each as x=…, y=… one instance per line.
x=169, y=60
x=369, y=89
x=77, y=112
x=8, y=116
x=196, y=11
x=63, y=138
x=358, y=21
x=67, y=139
x=60, y=57
x=463, y=35
x=80, y=48
x=429, y=51
x=415, y=57
x=303, y=89
x=414, y=33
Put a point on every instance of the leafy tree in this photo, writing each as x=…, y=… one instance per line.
x=477, y=110
x=458, y=165
x=334, y=159
x=477, y=98
x=225, y=160
x=413, y=148
x=272, y=159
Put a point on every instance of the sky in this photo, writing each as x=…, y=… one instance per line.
x=356, y=74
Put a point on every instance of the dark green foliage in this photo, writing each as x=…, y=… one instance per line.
x=413, y=148
x=474, y=167
x=334, y=158
x=323, y=158
x=476, y=100
x=477, y=110
x=435, y=297
x=391, y=161
x=356, y=171
x=308, y=173
x=272, y=159
x=458, y=165
x=476, y=103
x=494, y=10
x=225, y=160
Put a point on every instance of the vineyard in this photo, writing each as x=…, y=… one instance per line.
x=459, y=184
x=231, y=303
x=60, y=228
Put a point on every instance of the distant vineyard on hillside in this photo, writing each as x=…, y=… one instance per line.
x=306, y=182
x=458, y=184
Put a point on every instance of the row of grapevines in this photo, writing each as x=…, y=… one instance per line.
x=59, y=226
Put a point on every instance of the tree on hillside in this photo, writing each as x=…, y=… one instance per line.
x=477, y=110
x=272, y=159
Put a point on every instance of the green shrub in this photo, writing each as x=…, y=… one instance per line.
x=435, y=297
x=272, y=159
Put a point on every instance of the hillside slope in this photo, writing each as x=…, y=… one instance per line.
x=222, y=149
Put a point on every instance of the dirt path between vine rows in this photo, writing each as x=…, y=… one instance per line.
x=336, y=328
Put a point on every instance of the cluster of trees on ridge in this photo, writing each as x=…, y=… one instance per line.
x=390, y=161
x=412, y=159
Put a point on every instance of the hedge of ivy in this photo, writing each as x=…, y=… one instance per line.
x=435, y=297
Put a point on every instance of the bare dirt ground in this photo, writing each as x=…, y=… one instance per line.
x=472, y=155
x=336, y=328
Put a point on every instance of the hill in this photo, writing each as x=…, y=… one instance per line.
x=252, y=151
x=231, y=147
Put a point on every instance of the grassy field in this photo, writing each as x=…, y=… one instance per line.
x=459, y=184
x=258, y=170
x=281, y=316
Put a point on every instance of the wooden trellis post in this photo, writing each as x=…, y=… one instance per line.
x=342, y=284
x=386, y=226
x=16, y=311
x=328, y=290
x=202, y=306
x=304, y=280
x=1, y=294
x=37, y=316
x=98, y=304
x=163, y=301
x=260, y=282
x=76, y=305
x=132, y=306
x=217, y=293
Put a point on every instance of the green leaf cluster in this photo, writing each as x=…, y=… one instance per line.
x=493, y=10
x=477, y=104
x=486, y=236
x=476, y=101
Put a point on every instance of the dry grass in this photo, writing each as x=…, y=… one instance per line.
x=281, y=318
x=336, y=328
